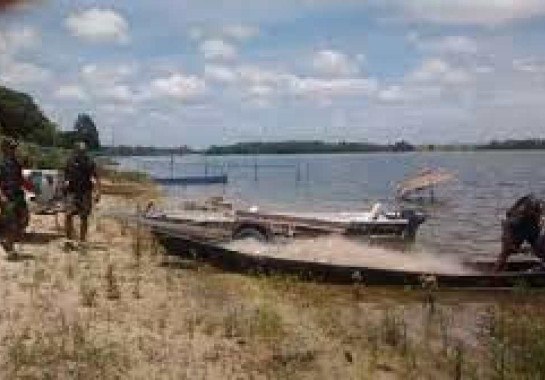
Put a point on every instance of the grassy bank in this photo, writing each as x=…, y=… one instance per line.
x=119, y=308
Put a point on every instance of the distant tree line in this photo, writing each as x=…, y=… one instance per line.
x=301, y=147
x=527, y=144
x=125, y=150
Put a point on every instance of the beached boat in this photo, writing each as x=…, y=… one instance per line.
x=186, y=240
x=520, y=272
x=224, y=223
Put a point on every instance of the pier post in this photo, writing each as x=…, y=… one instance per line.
x=255, y=170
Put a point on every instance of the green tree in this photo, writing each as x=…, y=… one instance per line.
x=22, y=119
x=86, y=130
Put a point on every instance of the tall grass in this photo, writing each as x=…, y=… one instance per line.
x=515, y=341
x=117, y=311
x=61, y=349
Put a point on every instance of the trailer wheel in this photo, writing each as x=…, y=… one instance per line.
x=250, y=233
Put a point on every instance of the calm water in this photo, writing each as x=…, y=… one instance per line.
x=465, y=221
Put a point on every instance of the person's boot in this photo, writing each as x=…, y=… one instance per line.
x=8, y=246
x=69, y=227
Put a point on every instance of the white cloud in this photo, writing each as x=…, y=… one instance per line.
x=327, y=88
x=391, y=94
x=110, y=82
x=259, y=102
x=457, y=77
x=430, y=70
x=445, y=45
x=232, y=32
x=260, y=91
x=529, y=65
x=469, y=12
x=95, y=75
x=15, y=40
x=15, y=67
x=117, y=109
x=263, y=83
x=252, y=75
x=16, y=72
x=219, y=74
x=259, y=95
x=116, y=93
x=99, y=25
x=218, y=50
x=19, y=38
x=435, y=80
x=178, y=86
x=481, y=69
x=439, y=71
x=240, y=32
x=71, y=92
x=458, y=44
x=334, y=63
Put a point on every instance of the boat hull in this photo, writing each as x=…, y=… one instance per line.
x=238, y=262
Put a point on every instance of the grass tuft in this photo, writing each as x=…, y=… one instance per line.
x=112, y=287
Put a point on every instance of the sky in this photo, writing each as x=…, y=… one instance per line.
x=198, y=73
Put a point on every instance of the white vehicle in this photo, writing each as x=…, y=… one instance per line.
x=44, y=194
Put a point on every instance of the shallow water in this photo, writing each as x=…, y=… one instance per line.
x=465, y=221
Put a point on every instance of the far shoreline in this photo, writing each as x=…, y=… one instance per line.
x=293, y=147
x=106, y=155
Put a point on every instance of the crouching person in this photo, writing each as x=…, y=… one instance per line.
x=13, y=206
x=79, y=173
x=522, y=224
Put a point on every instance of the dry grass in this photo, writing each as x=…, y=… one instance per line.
x=120, y=309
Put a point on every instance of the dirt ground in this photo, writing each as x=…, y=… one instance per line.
x=119, y=308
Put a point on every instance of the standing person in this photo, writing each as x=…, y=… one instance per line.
x=522, y=224
x=79, y=173
x=12, y=197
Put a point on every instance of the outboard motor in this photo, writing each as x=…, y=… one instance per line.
x=415, y=219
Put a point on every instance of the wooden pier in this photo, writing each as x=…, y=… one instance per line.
x=192, y=180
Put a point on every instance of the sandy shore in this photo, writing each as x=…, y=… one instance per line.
x=119, y=308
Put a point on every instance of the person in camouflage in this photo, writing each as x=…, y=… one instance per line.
x=79, y=173
x=14, y=210
x=522, y=224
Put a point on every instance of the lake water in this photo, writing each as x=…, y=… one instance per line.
x=465, y=221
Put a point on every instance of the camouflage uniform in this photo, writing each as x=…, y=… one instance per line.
x=522, y=224
x=14, y=211
x=78, y=172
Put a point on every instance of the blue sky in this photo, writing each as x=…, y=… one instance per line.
x=175, y=72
